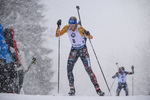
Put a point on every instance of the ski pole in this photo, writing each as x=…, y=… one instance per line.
x=112, y=84
x=59, y=59
x=33, y=61
x=132, y=82
x=114, y=79
x=117, y=65
x=79, y=14
x=94, y=53
x=132, y=87
x=100, y=67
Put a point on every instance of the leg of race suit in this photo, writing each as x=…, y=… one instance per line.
x=118, y=89
x=126, y=89
x=71, y=62
x=84, y=55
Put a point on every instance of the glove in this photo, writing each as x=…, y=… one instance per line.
x=87, y=33
x=114, y=77
x=116, y=63
x=59, y=22
x=132, y=67
x=33, y=60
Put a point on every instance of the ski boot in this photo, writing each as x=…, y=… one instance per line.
x=127, y=93
x=72, y=91
x=100, y=93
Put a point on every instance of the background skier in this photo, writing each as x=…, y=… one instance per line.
x=121, y=74
x=77, y=36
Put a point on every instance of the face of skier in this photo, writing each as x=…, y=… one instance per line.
x=72, y=23
x=72, y=26
x=8, y=33
x=122, y=72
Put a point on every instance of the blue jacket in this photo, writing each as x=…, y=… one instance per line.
x=4, y=52
x=3, y=47
x=1, y=28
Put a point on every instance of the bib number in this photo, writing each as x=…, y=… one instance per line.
x=122, y=78
x=73, y=40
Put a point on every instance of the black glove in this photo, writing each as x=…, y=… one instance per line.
x=87, y=33
x=59, y=22
x=116, y=63
x=33, y=60
x=132, y=67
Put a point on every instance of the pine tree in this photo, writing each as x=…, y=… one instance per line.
x=25, y=17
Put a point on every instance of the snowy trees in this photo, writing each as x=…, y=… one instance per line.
x=25, y=17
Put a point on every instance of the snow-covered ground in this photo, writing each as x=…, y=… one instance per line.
x=42, y=97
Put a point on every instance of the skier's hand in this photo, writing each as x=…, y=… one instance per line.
x=33, y=60
x=132, y=67
x=59, y=22
x=87, y=33
x=116, y=63
x=114, y=77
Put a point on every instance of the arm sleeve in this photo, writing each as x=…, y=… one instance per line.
x=3, y=45
x=129, y=73
x=64, y=30
x=82, y=32
x=116, y=75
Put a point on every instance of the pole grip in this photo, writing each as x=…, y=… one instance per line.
x=117, y=64
x=59, y=60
